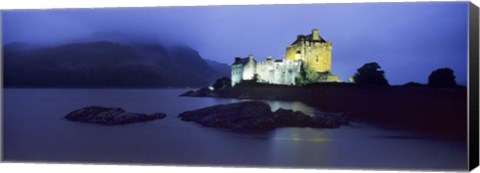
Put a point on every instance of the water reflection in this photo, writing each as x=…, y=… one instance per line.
x=288, y=144
x=39, y=133
x=275, y=105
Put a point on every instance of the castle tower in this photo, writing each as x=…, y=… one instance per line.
x=313, y=50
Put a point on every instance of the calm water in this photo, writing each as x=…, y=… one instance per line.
x=34, y=130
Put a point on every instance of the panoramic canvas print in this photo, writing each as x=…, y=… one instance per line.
x=324, y=86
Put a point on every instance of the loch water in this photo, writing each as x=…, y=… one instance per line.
x=34, y=130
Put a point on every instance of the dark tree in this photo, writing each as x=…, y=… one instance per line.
x=222, y=83
x=301, y=78
x=443, y=77
x=371, y=74
x=255, y=78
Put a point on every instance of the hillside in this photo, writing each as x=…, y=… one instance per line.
x=106, y=64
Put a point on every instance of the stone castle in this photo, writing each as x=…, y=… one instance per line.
x=308, y=53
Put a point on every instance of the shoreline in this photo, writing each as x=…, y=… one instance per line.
x=420, y=108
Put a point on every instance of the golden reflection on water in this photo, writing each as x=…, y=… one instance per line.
x=276, y=104
x=288, y=144
x=301, y=134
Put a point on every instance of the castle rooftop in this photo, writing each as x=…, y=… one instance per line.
x=242, y=61
x=313, y=37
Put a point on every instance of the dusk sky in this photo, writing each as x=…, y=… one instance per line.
x=409, y=40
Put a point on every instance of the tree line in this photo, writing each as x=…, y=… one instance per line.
x=372, y=74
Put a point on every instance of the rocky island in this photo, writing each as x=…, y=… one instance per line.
x=110, y=116
x=257, y=116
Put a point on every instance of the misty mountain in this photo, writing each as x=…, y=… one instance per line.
x=220, y=67
x=19, y=46
x=107, y=64
x=119, y=37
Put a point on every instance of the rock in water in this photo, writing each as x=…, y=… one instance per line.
x=290, y=118
x=202, y=92
x=257, y=116
x=110, y=116
x=243, y=116
x=190, y=93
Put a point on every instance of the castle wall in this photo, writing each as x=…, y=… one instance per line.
x=249, y=69
x=265, y=71
x=292, y=50
x=237, y=74
x=316, y=55
x=273, y=72
x=283, y=72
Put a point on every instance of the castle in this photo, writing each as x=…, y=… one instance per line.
x=307, y=53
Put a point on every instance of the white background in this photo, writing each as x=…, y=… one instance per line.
x=83, y=168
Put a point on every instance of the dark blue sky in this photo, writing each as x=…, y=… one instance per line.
x=409, y=40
